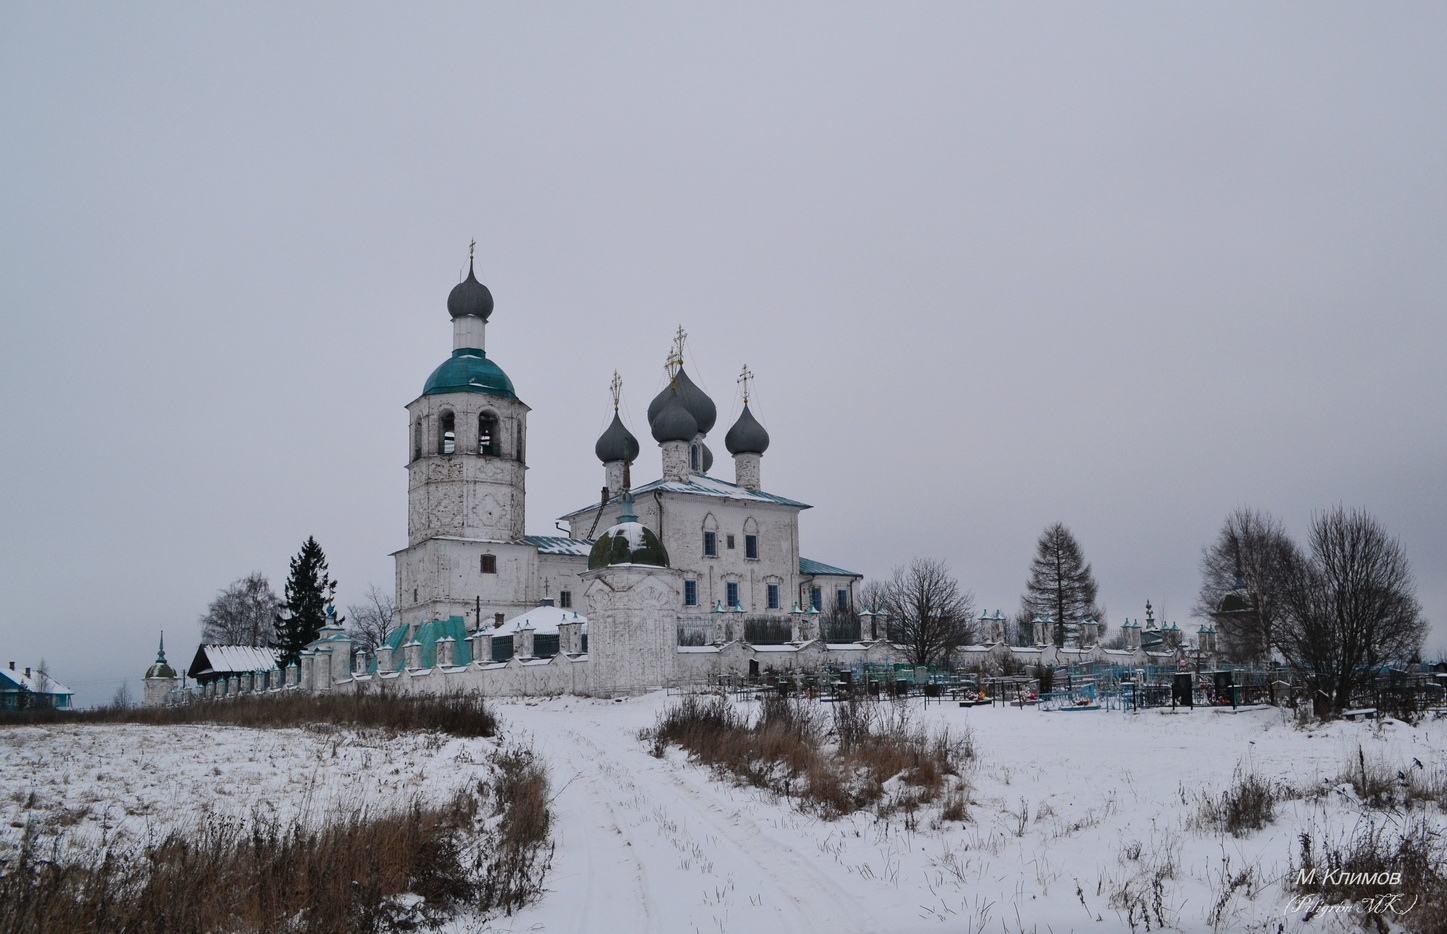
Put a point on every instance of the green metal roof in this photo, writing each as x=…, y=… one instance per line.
x=428, y=633
x=810, y=567
x=469, y=370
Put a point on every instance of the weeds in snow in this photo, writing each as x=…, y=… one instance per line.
x=455, y=714
x=488, y=848
x=877, y=759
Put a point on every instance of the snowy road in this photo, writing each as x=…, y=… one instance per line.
x=646, y=846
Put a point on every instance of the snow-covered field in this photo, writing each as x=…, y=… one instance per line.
x=1077, y=818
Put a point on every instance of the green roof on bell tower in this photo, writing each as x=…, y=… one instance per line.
x=469, y=370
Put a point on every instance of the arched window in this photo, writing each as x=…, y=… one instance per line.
x=521, y=457
x=446, y=434
x=710, y=536
x=417, y=439
x=487, y=440
x=693, y=463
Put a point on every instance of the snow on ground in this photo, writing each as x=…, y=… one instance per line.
x=84, y=785
x=1070, y=810
x=1074, y=816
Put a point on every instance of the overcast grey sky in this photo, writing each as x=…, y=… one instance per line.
x=1125, y=266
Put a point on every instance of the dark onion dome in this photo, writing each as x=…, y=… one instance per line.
x=673, y=422
x=469, y=297
x=747, y=436
x=707, y=457
x=627, y=542
x=616, y=443
x=469, y=370
x=699, y=405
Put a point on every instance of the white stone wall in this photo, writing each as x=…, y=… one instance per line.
x=443, y=577
x=632, y=627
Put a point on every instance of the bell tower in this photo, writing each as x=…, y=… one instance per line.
x=467, y=460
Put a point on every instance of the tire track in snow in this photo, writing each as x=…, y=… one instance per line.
x=689, y=861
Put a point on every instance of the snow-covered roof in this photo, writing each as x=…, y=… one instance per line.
x=542, y=620
x=229, y=659
x=558, y=545
x=706, y=486
x=34, y=682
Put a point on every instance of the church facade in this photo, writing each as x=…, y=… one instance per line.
x=468, y=554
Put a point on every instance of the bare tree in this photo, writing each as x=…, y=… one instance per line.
x=1351, y=607
x=121, y=699
x=929, y=615
x=1244, y=574
x=243, y=613
x=871, y=597
x=1061, y=584
x=372, y=619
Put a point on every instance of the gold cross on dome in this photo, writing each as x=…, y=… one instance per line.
x=675, y=356
x=616, y=387
x=746, y=376
x=472, y=248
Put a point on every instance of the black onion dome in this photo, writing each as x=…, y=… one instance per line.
x=707, y=458
x=699, y=405
x=747, y=436
x=469, y=297
x=616, y=443
x=673, y=422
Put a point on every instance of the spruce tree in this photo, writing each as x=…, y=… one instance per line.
x=1061, y=584
x=309, y=590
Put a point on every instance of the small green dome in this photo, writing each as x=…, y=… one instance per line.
x=628, y=543
x=469, y=370
x=160, y=670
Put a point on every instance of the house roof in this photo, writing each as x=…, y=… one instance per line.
x=218, y=660
x=811, y=568
x=707, y=486
x=17, y=680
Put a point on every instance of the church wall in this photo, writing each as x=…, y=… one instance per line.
x=447, y=578
x=561, y=573
x=466, y=494
x=684, y=518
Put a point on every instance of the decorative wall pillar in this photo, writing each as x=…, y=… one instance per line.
x=412, y=652
x=446, y=649
x=481, y=647
x=570, y=638
x=522, y=643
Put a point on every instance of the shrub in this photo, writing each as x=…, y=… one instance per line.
x=457, y=714
x=1248, y=804
x=785, y=749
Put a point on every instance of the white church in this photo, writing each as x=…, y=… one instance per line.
x=693, y=576
x=482, y=605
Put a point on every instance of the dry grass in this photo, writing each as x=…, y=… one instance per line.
x=487, y=850
x=866, y=755
x=1390, y=874
x=1248, y=804
x=1383, y=786
x=457, y=714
